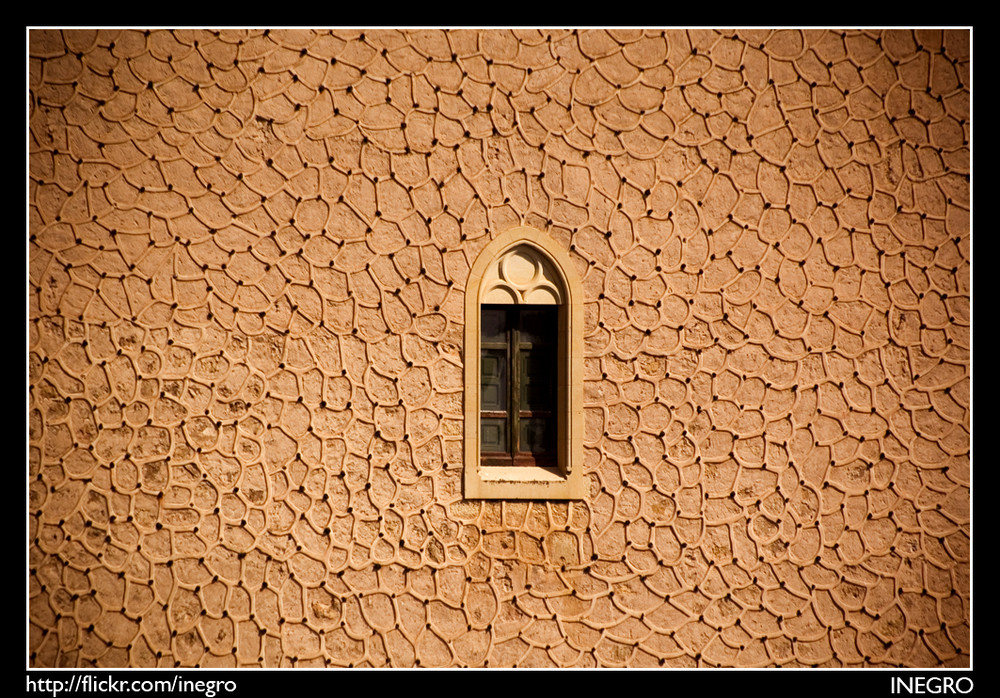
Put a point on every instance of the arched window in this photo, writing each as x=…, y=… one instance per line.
x=523, y=371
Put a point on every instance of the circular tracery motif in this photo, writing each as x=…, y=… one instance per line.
x=522, y=275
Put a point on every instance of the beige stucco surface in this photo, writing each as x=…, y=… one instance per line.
x=247, y=263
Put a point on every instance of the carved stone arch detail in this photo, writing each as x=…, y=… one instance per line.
x=522, y=275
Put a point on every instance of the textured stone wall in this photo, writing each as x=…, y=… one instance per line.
x=247, y=261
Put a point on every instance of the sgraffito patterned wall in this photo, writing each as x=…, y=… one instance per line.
x=247, y=261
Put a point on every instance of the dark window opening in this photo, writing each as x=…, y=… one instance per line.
x=518, y=361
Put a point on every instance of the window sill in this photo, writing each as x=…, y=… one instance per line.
x=524, y=482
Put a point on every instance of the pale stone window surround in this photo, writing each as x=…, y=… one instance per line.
x=525, y=266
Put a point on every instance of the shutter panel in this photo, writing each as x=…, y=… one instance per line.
x=537, y=343
x=517, y=391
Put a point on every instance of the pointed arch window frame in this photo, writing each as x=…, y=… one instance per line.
x=565, y=480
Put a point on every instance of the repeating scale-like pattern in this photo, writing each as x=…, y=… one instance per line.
x=247, y=261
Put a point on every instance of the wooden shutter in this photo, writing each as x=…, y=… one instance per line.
x=518, y=361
